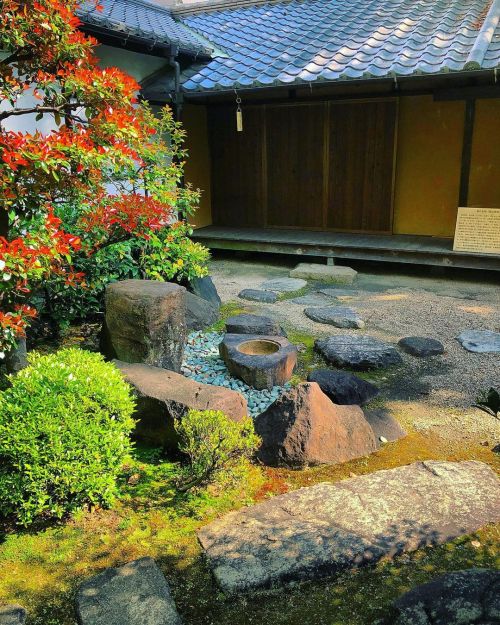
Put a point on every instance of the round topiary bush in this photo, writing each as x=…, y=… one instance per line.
x=64, y=435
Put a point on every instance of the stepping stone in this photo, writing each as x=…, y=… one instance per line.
x=357, y=352
x=480, y=341
x=339, y=292
x=457, y=598
x=338, y=316
x=327, y=273
x=320, y=530
x=343, y=388
x=256, y=295
x=253, y=324
x=420, y=346
x=283, y=285
x=12, y=615
x=313, y=299
x=134, y=594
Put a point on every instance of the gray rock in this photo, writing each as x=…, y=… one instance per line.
x=200, y=313
x=470, y=597
x=12, y=615
x=283, y=285
x=333, y=292
x=146, y=322
x=303, y=427
x=480, y=341
x=343, y=388
x=384, y=425
x=260, y=361
x=320, y=530
x=253, y=324
x=205, y=288
x=357, y=352
x=163, y=396
x=421, y=346
x=338, y=316
x=256, y=295
x=326, y=273
x=17, y=358
x=313, y=299
x=134, y=594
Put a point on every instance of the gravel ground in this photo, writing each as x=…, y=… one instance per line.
x=432, y=392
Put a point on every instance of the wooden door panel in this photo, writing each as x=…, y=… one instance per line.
x=361, y=165
x=295, y=136
x=237, y=167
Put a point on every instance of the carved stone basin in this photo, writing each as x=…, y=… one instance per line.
x=260, y=361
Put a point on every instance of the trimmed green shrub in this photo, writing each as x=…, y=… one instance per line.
x=64, y=435
x=213, y=443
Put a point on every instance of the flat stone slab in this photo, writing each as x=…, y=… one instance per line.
x=457, y=598
x=320, y=530
x=339, y=292
x=256, y=295
x=338, y=316
x=327, y=273
x=480, y=341
x=253, y=324
x=357, y=352
x=12, y=615
x=313, y=299
x=134, y=594
x=283, y=285
x=420, y=346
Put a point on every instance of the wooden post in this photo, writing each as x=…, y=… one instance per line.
x=470, y=110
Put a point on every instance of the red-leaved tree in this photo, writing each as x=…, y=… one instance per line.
x=92, y=146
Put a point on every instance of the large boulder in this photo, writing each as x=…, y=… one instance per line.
x=12, y=614
x=199, y=312
x=253, y=324
x=303, y=427
x=146, y=322
x=134, y=594
x=323, y=529
x=205, y=288
x=361, y=352
x=467, y=597
x=343, y=388
x=163, y=396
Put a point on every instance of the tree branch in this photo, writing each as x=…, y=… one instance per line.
x=39, y=109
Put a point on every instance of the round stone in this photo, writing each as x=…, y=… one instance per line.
x=480, y=341
x=421, y=346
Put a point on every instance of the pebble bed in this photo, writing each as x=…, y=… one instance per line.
x=203, y=364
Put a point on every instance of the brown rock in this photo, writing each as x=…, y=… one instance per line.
x=304, y=427
x=163, y=396
x=146, y=322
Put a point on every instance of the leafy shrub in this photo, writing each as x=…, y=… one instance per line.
x=64, y=435
x=213, y=443
x=172, y=255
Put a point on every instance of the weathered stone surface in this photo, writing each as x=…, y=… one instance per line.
x=421, y=346
x=338, y=316
x=320, y=530
x=470, y=597
x=134, y=594
x=257, y=295
x=326, y=273
x=480, y=341
x=283, y=285
x=12, y=615
x=384, y=425
x=17, y=358
x=200, y=313
x=357, y=352
x=163, y=396
x=343, y=388
x=336, y=292
x=205, y=288
x=259, y=360
x=313, y=299
x=303, y=427
x=253, y=324
x=146, y=322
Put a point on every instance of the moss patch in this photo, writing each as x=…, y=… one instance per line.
x=228, y=310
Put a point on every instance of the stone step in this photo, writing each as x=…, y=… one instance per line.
x=317, y=531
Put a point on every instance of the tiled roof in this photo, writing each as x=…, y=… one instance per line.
x=142, y=19
x=323, y=40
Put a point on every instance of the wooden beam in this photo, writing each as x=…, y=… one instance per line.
x=465, y=93
x=470, y=112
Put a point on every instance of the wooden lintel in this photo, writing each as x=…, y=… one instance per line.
x=467, y=93
x=470, y=112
